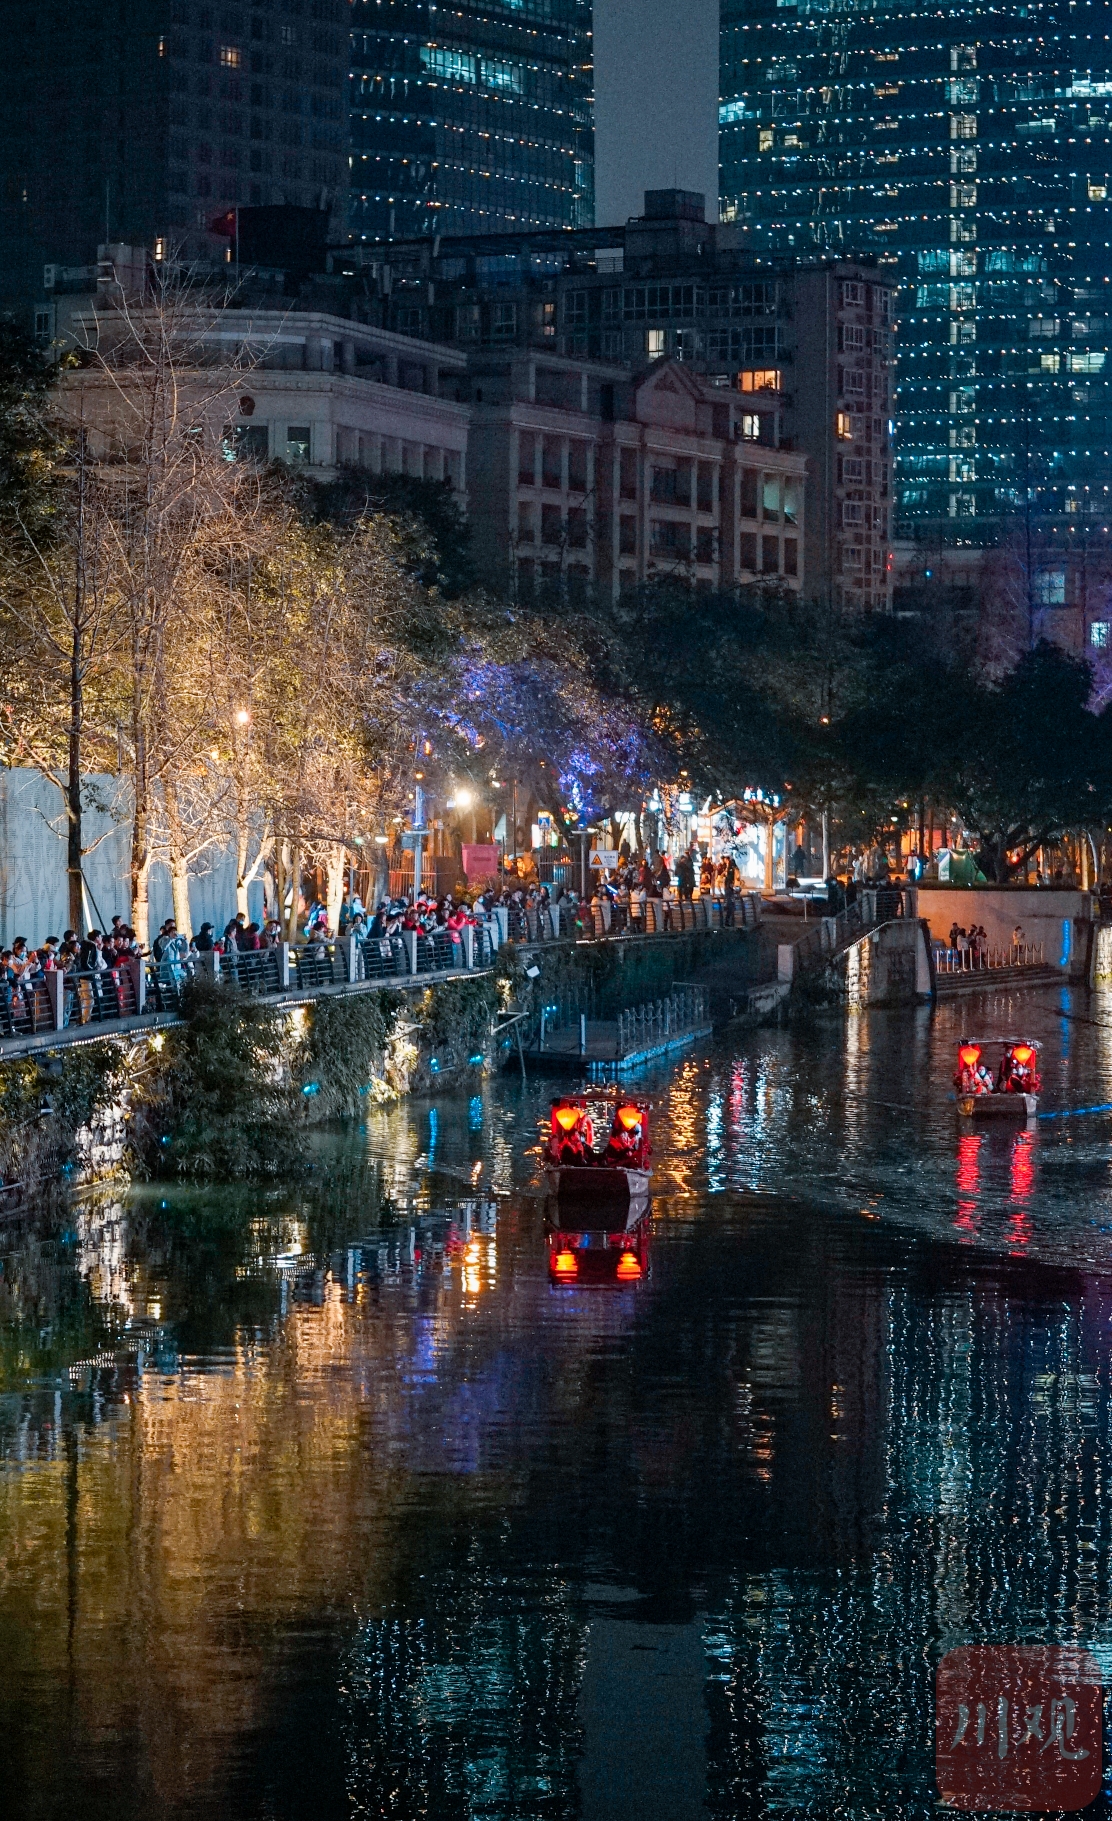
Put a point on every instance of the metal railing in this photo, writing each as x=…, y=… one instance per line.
x=644, y=1027
x=983, y=960
x=830, y=935
x=641, y=1027
x=60, y=1001
x=57, y=1000
x=637, y=915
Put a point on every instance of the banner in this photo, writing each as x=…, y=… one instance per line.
x=480, y=862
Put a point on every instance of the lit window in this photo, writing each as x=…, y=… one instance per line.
x=1050, y=587
x=1098, y=634
x=843, y=427
x=297, y=443
x=455, y=66
x=499, y=74
x=1049, y=363
x=1097, y=191
x=654, y=342
x=759, y=379
x=230, y=56
x=764, y=141
x=749, y=428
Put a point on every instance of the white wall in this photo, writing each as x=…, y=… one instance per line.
x=1045, y=916
x=34, y=891
x=656, y=103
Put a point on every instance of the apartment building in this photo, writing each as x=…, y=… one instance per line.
x=807, y=349
x=585, y=476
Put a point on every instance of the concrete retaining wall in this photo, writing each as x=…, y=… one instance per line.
x=890, y=966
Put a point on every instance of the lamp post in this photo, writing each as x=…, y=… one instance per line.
x=418, y=832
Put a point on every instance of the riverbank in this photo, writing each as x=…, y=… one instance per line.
x=225, y=1085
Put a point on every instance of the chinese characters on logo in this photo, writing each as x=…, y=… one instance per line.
x=1018, y=1727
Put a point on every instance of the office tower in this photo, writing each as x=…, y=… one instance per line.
x=967, y=152
x=475, y=118
x=144, y=121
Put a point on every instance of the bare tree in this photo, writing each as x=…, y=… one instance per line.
x=61, y=596
x=174, y=510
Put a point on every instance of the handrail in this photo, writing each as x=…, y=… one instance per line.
x=975, y=961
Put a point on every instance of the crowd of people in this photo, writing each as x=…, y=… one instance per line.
x=23, y=968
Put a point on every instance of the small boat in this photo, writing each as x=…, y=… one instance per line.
x=576, y=1172
x=1012, y=1093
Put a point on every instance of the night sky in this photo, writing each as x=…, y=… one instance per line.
x=656, y=102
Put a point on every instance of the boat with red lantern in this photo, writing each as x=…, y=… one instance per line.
x=1009, y=1093
x=576, y=1169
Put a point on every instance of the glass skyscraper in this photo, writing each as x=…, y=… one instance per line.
x=468, y=119
x=967, y=150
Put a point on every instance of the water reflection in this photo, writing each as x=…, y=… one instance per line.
x=323, y=1499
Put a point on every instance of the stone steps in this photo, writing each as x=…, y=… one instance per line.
x=991, y=979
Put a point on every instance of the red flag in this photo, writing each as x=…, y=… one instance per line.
x=224, y=224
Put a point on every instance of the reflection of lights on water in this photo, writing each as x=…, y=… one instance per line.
x=967, y=1219
x=479, y=1264
x=716, y=1166
x=1023, y=1167
x=1023, y=1182
x=475, y=1113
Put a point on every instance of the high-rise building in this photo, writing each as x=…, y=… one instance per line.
x=143, y=121
x=477, y=117
x=969, y=153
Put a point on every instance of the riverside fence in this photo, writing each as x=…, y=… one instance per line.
x=76, y=1005
x=982, y=960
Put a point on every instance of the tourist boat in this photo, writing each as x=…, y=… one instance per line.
x=577, y=1170
x=1012, y=1093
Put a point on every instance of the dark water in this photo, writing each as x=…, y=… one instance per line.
x=321, y=1502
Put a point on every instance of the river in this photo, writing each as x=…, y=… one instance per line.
x=319, y=1500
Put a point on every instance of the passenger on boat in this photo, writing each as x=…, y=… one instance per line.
x=982, y=1079
x=573, y=1152
x=1023, y=1077
x=574, y=1149
x=623, y=1148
